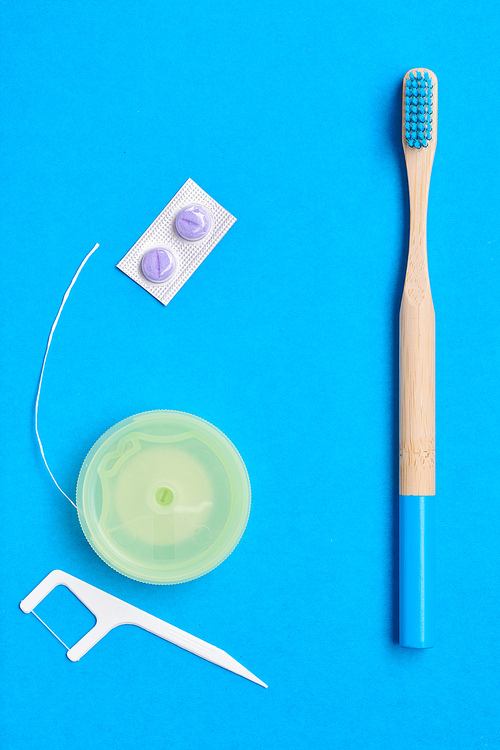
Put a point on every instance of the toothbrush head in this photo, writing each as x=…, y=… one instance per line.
x=419, y=108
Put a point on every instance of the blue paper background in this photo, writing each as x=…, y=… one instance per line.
x=288, y=114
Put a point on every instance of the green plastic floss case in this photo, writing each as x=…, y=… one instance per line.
x=163, y=497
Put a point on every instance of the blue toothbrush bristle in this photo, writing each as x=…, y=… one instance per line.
x=418, y=109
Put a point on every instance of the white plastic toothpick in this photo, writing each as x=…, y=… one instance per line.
x=110, y=612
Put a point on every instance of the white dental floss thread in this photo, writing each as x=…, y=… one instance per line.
x=33, y=611
x=40, y=386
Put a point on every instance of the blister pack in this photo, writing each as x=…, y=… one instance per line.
x=177, y=242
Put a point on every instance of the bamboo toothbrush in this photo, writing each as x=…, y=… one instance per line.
x=417, y=376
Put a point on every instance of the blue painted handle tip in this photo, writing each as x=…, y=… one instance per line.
x=417, y=587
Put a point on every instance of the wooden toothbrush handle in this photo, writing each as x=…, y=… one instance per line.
x=417, y=393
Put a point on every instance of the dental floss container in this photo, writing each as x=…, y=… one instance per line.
x=163, y=497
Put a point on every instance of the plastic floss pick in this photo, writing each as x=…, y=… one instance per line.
x=110, y=612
